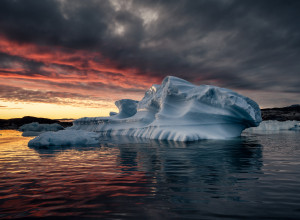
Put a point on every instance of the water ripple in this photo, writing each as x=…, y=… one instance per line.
x=245, y=178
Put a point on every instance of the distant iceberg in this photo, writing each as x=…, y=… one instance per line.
x=65, y=138
x=273, y=125
x=176, y=110
x=35, y=128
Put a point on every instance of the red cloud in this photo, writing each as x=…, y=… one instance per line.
x=63, y=65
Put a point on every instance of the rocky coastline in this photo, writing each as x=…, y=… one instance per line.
x=281, y=114
x=15, y=123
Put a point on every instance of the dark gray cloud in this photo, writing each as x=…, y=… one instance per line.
x=249, y=44
x=16, y=94
x=101, y=96
x=97, y=87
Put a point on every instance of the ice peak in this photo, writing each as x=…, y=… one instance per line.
x=174, y=80
x=154, y=88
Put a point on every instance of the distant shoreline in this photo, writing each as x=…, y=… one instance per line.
x=15, y=123
x=280, y=114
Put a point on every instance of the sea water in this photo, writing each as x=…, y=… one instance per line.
x=256, y=176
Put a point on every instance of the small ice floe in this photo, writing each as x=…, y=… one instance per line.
x=273, y=125
x=65, y=138
x=34, y=128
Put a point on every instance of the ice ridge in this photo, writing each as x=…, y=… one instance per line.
x=180, y=111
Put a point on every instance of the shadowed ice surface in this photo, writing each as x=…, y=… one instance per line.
x=251, y=177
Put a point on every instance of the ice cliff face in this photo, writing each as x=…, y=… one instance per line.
x=180, y=111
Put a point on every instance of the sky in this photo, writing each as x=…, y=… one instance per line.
x=74, y=58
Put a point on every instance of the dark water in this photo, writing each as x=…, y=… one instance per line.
x=252, y=177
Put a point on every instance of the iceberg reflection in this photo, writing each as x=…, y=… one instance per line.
x=212, y=167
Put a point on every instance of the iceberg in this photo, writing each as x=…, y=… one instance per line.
x=34, y=128
x=64, y=138
x=273, y=125
x=177, y=110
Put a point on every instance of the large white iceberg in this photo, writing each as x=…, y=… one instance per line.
x=175, y=110
x=180, y=111
x=35, y=128
x=65, y=138
x=273, y=125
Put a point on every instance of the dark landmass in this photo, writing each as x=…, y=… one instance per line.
x=281, y=114
x=15, y=123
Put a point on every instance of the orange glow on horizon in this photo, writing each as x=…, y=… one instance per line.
x=18, y=110
x=83, y=79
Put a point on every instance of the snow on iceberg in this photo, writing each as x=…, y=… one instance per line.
x=274, y=125
x=34, y=128
x=65, y=138
x=180, y=111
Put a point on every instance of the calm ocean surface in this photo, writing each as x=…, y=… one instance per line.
x=252, y=177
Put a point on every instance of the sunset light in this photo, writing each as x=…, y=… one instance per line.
x=149, y=109
x=73, y=60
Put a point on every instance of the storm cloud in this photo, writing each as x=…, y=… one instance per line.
x=249, y=45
